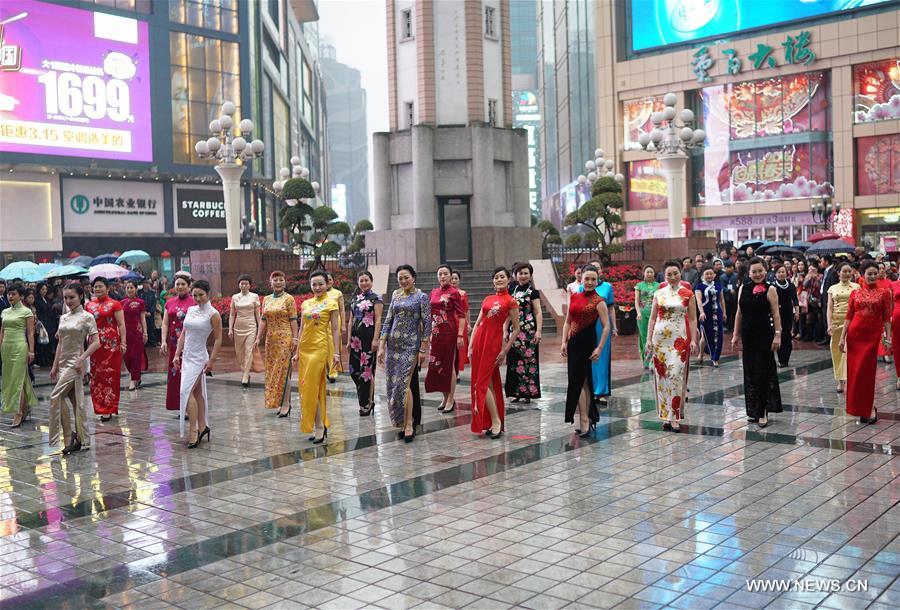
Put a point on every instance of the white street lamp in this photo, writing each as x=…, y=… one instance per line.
x=231, y=153
x=670, y=139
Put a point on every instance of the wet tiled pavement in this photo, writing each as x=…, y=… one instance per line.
x=633, y=517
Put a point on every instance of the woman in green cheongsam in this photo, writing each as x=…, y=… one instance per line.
x=643, y=303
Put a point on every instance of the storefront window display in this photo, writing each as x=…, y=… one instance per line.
x=766, y=140
x=636, y=114
x=647, y=186
x=876, y=88
x=878, y=165
x=879, y=229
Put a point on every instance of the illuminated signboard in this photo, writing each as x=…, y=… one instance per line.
x=657, y=23
x=73, y=82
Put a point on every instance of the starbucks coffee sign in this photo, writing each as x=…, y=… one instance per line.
x=199, y=209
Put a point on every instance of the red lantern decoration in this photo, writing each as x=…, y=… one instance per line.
x=165, y=254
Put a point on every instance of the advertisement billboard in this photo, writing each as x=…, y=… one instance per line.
x=199, y=209
x=112, y=207
x=657, y=23
x=73, y=82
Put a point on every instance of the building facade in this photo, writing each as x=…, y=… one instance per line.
x=797, y=105
x=348, y=137
x=569, y=85
x=526, y=109
x=450, y=177
x=99, y=145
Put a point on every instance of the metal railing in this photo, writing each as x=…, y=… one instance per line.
x=558, y=253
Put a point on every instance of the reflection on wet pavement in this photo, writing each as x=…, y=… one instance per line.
x=633, y=516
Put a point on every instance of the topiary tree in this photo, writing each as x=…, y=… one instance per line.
x=601, y=214
x=358, y=236
x=549, y=234
x=312, y=229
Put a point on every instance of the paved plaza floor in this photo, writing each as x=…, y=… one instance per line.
x=633, y=517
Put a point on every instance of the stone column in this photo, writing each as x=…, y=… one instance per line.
x=424, y=202
x=482, y=204
x=674, y=166
x=383, y=185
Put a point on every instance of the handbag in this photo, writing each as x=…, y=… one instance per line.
x=43, y=338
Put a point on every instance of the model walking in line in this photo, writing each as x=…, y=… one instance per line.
x=868, y=324
x=192, y=359
x=582, y=349
x=789, y=309
x=106, y=362
x=134, y=309
x=278, y=328
x=447, y=326
x=404, y=345
x=243, y=325
x=643, y=304
x=672, y=338
x=895, y=327
x=75, y=327
x=334, y=365
x=318, y=329
x=757, y=333
x=838, y=302
x=493, y=334
x=711, y=305
x=17, y=353
x=462, y=354
x=364, y=325
x=523, y=365
x=174, y=310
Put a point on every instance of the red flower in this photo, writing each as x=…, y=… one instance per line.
x=676, y=407
x=681, y=345
x=660, y=366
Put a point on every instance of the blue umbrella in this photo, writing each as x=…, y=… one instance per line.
x=830, y=246
x=22, y=270
x=753, y=243
x=134, y=275
x=766, y=245
x=103, y=259
x=803, y=245
x=82, y=261
x=47, y=268
x=133, y=257
x=67, y=271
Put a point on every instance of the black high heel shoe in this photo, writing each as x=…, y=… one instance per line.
x=367, y=410
x=874, y=418
x=288, y=414
x=319, y=441
x=73, y=446
x=195, y=444
x=498, y=435
x=105, y=418
x=451, y=409
x=587, y=433
x=21, y=421
x=408, y=438
x=204, y=433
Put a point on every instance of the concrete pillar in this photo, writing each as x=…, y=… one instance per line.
x=482, y=204
x=519, y=179
x=231, y=188
x=383, y=185
x=424, y=202
x=674, y=166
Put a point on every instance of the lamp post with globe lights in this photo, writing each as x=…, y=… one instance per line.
x=231, y=153
x=671, y=138
x=297, y=171
x=824, y=212
x=599, y=167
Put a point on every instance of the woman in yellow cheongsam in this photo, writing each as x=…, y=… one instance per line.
x=278, y=328
x=318, y=333
x=838, y=300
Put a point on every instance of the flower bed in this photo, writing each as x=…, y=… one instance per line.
x=223, y=304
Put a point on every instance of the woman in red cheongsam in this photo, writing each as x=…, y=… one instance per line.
x=447, y=328
x=868, y=322
x=487, y=350
x=106, y=362
x=895, y=325
x=172, y=324
x=134, y=310
x=462, y=358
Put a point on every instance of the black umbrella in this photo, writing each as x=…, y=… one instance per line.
x=767, y=246
x=830, y=246
x=783, y=251
x=803, y=245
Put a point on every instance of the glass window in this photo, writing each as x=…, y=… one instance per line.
x=876, y=88
x=647, y=186
x=219, y=15
x=281, y=132
x=636, y=118
x=200, y=85
x=878, y=165
x=766, y=140
x=306, y=79
x=139, y=6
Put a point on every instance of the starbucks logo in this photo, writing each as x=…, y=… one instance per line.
x=80, y=204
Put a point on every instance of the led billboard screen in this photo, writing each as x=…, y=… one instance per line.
x=73, y=82
x=657, y=23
